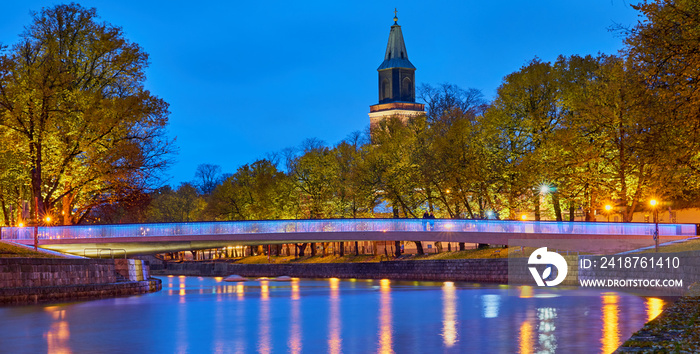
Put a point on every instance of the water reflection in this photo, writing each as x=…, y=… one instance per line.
x=449, y=314
x=490, y=305
x=331, y=316
x=334, y=341
x=526, y=343
x=294, y=343
x=546, y=329
x=58, y=334
x=264, y=328
x=654, y=307
x=525, y=292
x=611, y=336
x=385, y=340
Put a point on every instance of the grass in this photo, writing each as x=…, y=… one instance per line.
x=8, y=250
x=692, y=245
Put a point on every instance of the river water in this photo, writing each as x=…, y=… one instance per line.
x=196, y=314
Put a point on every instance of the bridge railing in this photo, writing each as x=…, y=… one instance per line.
x=344, y=225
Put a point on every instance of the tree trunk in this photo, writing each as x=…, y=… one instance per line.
x=419, y=248
x=572, y=211
x=342, y=249
x=557, y=206
x=313, y=249
x=397, y=246
x=537, y=207
x=300, y=249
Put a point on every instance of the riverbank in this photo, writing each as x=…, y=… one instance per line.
x=676, y=330
x=35, y=280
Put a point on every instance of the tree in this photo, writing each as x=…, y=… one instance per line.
x=257, y=191
x=519, y=121
x=207, y=176
x=73, y=99
x=315, y=175
x=617, y=140
x=663, y=48
x=182, y=205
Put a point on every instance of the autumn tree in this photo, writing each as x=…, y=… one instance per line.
x=182, y=205
x=72, y=98
x=663, y=49
x=257, y=191
x=519, y=121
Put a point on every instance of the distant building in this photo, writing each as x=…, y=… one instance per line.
x=397, y=82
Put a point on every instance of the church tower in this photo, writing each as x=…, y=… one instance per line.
x=397, y=82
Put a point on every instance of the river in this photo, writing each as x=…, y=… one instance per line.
x=208, y=315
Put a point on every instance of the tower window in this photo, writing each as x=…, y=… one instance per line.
x=406, y=89
x=385, y=89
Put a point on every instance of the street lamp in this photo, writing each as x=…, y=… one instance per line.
x=653, y=204
x=608, y=208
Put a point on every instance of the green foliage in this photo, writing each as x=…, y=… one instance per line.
x=182, y=205
x=255, y=192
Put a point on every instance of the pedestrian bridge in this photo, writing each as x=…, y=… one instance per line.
x=171, y=237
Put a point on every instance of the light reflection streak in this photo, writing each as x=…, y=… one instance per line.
x=385, y=339
x=58, y=334
x=264, y=337
x=449, y=314
x=546, y=328
x=239, y=338
x=491, y=303
x=240, y=291
x=611, y=335
x=526, y=292
x=526, y=342
x=182, y=289
x=654, y=307
x=294, y=343
x=334, y=340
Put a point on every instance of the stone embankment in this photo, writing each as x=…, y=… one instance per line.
x=467, y=270
x=676, y=330
x=34, y=280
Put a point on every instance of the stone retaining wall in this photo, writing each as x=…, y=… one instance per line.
x=468, y=270
x=32, y=280
x=33, y=295
x=30, y=272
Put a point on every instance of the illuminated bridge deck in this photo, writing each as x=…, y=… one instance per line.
x=164, y=237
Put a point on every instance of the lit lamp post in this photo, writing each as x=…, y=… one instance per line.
x=653, y=204
x=608, y=208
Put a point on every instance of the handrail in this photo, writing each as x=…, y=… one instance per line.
x=195, y=229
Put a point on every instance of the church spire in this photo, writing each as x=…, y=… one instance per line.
x=395, y=55
x=397, y=86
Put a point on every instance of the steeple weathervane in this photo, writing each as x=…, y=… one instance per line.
x=396, y=17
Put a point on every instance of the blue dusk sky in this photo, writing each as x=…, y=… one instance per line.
x=247, y=78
